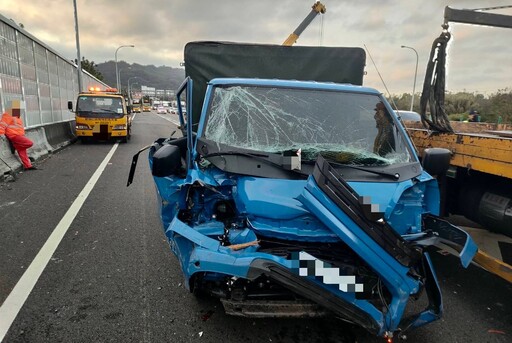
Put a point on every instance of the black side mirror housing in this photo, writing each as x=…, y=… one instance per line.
x=436, y=161
x=167, y=161
x=70, y=105
x=129, y=109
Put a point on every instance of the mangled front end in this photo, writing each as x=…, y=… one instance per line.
x=279, y=247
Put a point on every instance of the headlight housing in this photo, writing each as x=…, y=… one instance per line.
x=82, y=127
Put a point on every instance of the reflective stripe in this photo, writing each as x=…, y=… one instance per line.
x=15, y=128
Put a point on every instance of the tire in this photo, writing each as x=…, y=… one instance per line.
x=126, y=138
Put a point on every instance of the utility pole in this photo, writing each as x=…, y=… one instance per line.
x=78, y=57
x=415, y=73
x=115, y=56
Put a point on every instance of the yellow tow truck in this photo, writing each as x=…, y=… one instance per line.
x=478, y=184
x=146, y=106
x=136, y=106
x=102, y=115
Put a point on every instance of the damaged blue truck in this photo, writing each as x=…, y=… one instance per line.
x=294, y=191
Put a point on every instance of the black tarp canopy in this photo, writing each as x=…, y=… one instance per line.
x=208, y=60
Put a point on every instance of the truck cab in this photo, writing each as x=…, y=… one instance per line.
x=102, y=115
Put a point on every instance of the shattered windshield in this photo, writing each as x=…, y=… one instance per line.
x=99, y=107
x=344, y=127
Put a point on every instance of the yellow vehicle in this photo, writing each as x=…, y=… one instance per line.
x=316, y=9
x=102, y=115
x=146, y=106
x=478, y=184
x=136, y=106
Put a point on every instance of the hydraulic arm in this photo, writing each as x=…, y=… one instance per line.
x=316, y=9
x=434, y=84
x=477, y=18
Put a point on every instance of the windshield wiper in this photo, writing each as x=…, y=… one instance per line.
x=394, y=176
x=256, y=156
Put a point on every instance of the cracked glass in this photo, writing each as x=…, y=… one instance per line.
x=344, y=127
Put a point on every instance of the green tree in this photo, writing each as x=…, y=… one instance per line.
x=90, y=67
x=492, y=108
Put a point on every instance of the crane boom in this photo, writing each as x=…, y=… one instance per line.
x=477, y=17
x=434, y=84
x=316, y=9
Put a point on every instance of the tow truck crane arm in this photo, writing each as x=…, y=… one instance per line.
x=434, y=84
x=433, y=94
x=477, y=18
x=317, y=8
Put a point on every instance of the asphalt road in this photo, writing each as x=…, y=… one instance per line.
x=113, y=278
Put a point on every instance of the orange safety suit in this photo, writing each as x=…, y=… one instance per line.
x=4, y=123
x=15, y=132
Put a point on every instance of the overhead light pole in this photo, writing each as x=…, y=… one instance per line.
x=415, y=73
x=120, y=81
x=129, y=87
x=78, y=57
x=115, y=55
x=119, y=89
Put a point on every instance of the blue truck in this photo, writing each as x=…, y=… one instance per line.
x=294, y=191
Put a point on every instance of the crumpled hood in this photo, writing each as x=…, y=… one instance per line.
x=278, y=199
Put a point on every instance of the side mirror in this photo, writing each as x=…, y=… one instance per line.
x=436, y=161
x=167, y=161
x=129, y=109
x=70, y=105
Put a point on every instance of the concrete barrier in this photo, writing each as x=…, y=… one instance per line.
x=9, y=162
x=47, y=140
x=41, y=147
x=60, y=134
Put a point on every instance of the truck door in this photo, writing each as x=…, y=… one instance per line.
x=186, y=117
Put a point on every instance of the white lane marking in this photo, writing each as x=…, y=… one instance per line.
x=175, y=122
x=15, y=300
x=7, y=204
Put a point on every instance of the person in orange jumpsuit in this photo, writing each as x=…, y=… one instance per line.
x=12, y=126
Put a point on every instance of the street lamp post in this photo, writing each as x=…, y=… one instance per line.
x=129, y=88
x=133, y=84
x=78, y=57
x=415, y=73
x=117, y=73
x=120, y=81
x=119, y=89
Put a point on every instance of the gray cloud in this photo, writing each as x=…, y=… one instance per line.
x=479, y=56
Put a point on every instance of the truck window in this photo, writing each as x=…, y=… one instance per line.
x=344, y=126
x=315, y=121
x=99, y=107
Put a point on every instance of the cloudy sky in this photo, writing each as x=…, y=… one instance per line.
x=480, y=58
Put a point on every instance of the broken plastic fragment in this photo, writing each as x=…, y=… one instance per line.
x=236, y=247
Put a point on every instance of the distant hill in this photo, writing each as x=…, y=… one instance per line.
x=149, y=75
